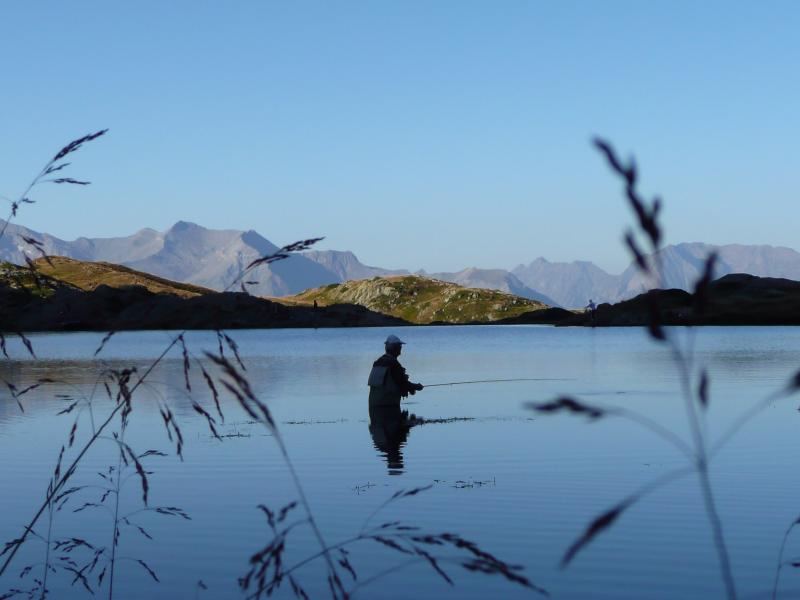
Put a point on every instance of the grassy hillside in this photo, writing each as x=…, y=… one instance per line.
x=21, y=278
x=88, y=275
x=420, y=299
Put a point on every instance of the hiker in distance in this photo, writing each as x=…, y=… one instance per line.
x=592, y=308
x=388, y=381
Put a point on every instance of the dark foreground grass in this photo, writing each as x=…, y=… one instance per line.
x=694, y=387
x=91, y=565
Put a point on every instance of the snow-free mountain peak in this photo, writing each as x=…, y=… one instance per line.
x=215, y=258
x=494, y=279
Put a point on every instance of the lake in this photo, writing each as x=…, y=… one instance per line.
x=522, y=485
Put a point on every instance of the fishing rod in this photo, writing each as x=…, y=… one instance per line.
x=429, y=385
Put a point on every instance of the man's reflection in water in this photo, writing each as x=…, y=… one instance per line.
x=389, y=427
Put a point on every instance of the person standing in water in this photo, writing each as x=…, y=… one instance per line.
x=592, y=309
x=388, y=381
x=388, y=425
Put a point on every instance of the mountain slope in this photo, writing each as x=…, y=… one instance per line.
x=346, y=266
x=569, y=284
x=215, y=258
x=683, y=265
x=186, y=252
x=421, y=300
x=494, y=279
x=88, y=276
x=36, y=302
x=14, y=250
x=573, y=284
x=15, y=278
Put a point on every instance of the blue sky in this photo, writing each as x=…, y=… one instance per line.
x=433, y=135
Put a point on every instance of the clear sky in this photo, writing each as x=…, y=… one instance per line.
x=433, y=135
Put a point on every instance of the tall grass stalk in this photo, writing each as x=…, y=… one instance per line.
x=694, y=387
x=401, y=538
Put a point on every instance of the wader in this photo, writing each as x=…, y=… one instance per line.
x=383, y=389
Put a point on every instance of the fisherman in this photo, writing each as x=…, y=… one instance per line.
x=388, y=381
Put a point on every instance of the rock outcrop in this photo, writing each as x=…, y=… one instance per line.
x=422, y=300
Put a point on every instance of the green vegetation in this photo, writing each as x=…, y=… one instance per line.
x=414, y=299
x=22, y=278
x=421, y=300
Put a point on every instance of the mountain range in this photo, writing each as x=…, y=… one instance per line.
x=492, y=279
x=187, y=252
x=214, y=258
x=573, y=284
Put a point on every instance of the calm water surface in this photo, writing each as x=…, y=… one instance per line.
x=522, y=486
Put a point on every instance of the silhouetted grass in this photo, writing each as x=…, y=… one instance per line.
x=267, y=571
x=694, y=385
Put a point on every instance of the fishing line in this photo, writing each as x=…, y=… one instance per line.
x=492, y=381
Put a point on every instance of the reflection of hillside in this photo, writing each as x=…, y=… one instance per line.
x=72, y=380
x=274, y=378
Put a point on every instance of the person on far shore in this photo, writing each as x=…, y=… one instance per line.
x=592, y=309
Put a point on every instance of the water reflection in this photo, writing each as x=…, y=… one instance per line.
x=553, y=476
x=389, y=427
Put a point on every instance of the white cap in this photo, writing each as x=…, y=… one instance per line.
x=393, y=339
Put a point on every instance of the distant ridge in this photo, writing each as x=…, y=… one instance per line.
x=346, y=266
x=573, y=284
x=214, y=258
x=494, y=279
x=186, y=252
